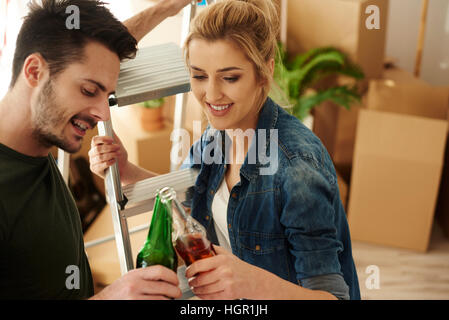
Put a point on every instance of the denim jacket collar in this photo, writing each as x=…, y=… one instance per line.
x=267, y=121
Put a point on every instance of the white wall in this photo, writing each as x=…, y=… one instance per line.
x=16, y=10
x=402, y=38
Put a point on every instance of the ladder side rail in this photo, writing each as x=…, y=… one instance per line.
x=179, y=118
x=116, y=202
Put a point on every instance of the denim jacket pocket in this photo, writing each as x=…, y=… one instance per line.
x=268, y=251
x=261, y=243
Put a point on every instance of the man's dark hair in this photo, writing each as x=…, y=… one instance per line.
x=44, y=31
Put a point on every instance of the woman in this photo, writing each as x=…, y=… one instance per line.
x=286, y=227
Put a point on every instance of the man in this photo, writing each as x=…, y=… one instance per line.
x=59, y=89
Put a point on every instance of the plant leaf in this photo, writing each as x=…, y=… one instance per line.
x=300, y=78
x=343, y=96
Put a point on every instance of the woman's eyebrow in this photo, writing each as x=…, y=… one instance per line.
x=218, y=71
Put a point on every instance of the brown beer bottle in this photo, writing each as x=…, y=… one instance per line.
x=158, y=248
x=189, y=235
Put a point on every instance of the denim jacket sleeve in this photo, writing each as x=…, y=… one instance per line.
x=307, y=195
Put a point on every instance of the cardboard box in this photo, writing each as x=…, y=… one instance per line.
x=399, y=148
x=336, y=128
x=399, y=91
x=401, y=76
x=408, y=98
x=342, y=24
x=397, y=167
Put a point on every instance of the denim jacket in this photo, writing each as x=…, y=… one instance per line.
x=285, y=215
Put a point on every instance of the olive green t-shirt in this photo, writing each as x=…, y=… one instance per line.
x=41, y=241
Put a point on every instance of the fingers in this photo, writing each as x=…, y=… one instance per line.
x=203, y=279
x=218, y=287
x=161, y=289
x=208, y=285
x=97, y=140
x=162, y=281
x=212, y=282
x=157, y=282
x=210, y=289
x=103, y=154
x=207, y=264
x=159, y=272
x=202, y=265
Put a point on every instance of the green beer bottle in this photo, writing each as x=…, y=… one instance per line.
x=158, y=248
x=189, y=236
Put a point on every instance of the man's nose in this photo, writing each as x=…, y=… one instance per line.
x=101, y=111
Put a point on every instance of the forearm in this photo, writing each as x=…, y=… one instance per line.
x=273, y=287
x=145, y=21
x=132, y=174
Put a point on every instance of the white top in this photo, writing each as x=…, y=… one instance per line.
x=220, y=213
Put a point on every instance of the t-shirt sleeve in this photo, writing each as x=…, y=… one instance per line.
x=308, y=216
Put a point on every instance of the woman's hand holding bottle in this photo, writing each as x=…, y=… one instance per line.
x=225, y=277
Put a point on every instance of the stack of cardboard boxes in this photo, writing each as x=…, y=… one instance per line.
x=398, y=161
x=390, y=148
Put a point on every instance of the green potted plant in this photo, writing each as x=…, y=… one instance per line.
x=296, y=78
x=151, y=116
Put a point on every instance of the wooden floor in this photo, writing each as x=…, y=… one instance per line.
x=404, y=274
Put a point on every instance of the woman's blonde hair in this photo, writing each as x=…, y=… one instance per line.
x=252, y=25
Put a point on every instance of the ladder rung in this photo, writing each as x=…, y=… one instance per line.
x=141, y=194
x=99, y=241
x=157, y=71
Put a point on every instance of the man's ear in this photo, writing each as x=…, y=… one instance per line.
x=35, y=69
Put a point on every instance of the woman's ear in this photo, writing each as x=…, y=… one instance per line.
x=34, y=70
x=271, y=66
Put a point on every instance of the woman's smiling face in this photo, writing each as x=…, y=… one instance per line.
x=224, y=81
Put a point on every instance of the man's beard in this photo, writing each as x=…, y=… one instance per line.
x=47, y=117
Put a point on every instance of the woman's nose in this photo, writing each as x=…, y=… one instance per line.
x=213, y=92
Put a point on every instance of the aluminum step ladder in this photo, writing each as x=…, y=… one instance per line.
x=156, y=72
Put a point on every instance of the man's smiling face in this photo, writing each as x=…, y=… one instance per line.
x=73, y=101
